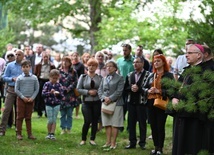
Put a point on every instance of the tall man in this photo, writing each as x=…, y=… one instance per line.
x=191, y=132
x=125, y=63
x=125, y=66
x=13, y=70
x=136, y=103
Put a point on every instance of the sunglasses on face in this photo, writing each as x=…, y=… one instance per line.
x=10, y=55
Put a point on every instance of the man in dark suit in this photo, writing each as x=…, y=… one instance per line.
x=136, y=103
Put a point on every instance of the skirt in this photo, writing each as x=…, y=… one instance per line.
x=115, y=120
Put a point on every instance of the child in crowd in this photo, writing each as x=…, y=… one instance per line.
x=52, y=93
x=26, y=88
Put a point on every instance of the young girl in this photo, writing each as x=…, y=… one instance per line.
x=52, y=93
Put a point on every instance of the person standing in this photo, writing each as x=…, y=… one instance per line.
x=191, y=130
x=68, y=80
x=10, y=56
x=101, y=70
x=136, y=103
x=125, y=66
x=181, y=61
x=42, y=71
x=53, y=94
x=80, y=69
x=85, y=57
x=155, y=88
x=29, y=56
x=12, y=71
x=26, y=88
x=2, y=66
x=88, y=85
x=110, y=90
x=57, y=60
x=139, y=53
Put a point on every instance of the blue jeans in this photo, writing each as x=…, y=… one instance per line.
x=52, y=113
x=66, y=118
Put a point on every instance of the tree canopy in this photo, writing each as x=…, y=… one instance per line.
x=104, y=23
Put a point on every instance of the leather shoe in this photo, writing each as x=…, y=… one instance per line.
x=143, y=147
x=130, y=147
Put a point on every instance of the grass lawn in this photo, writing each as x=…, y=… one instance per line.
x=68, y=144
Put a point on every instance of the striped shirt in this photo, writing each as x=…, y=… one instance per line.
x=27, y=86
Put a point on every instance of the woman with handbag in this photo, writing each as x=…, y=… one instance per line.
x=110, y=93
x=155, y=90
x=87, y=86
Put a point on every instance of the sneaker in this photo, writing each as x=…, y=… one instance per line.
x=48, y=136
x=52, y=137
x=159, y=153
x=150, y=137
x=153, y=152
x=63, y=132
x=68, y=131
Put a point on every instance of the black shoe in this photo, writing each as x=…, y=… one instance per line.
x=130, y=147
x=153, y=152
x=143, y=147
x=121, y=129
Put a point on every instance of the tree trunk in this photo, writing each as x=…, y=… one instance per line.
x=95, y=18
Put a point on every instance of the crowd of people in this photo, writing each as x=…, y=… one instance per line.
x=36, y=81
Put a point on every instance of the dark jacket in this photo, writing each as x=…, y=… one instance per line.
x=136, y=97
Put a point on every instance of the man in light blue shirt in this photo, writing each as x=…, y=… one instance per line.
x=13, y=70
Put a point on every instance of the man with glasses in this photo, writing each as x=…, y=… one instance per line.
x=181, y=61
x=136, y=103
x=191, y=130
x=12, y=71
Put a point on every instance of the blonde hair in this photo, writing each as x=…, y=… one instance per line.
x=54, y=72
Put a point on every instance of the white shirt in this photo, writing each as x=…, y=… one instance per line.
x=38, y=58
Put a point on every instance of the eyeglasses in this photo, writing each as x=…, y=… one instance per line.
x=10, y=55
x=191, y=53
x=136, y=62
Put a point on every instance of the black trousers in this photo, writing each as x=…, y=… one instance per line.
x=137, y=113
x=40, y=104
x=91, y=113
x=157, y=122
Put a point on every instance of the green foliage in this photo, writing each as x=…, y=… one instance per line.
x=197, y=97
x=6, y=36
x=202, y=30
x=156, y=32
x=104, y=23
x=68, y=144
